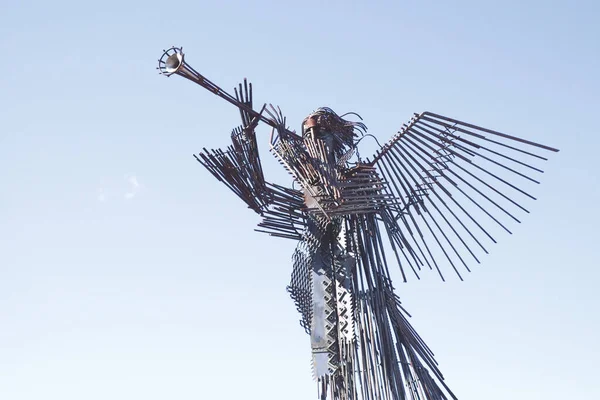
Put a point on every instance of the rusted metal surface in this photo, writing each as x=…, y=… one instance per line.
x=431, y=197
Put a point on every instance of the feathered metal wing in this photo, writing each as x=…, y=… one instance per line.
x=453, y=181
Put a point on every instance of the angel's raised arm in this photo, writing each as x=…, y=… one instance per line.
x=239, y=166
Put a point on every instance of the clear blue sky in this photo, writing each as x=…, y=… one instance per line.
x=127, y=271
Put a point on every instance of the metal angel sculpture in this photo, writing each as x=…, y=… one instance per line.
x=426, y=199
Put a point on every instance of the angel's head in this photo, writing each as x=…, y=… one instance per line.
x=339, y=134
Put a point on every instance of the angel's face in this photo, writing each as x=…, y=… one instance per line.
x=316, y=128
x=325, y=127
x=311, y=127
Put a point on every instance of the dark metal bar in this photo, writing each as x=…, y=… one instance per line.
x=438, y=183
x=476, y=203
x=456, y=145
x=480, y=169
x=421, y=153
x=458, y=138
x=400, y=150
x=491, y=131
x=406, y=185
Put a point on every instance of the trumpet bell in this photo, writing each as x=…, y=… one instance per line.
x=171, y=61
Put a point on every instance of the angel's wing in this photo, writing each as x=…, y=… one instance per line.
x=455, y=185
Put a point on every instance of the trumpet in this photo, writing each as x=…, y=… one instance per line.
x=172, y=62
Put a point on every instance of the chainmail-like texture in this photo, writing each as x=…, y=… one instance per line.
x=300, y=287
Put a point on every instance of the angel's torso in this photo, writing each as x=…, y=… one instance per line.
x=331, y=185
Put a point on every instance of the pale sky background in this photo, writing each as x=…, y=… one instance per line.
x=128, y=272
